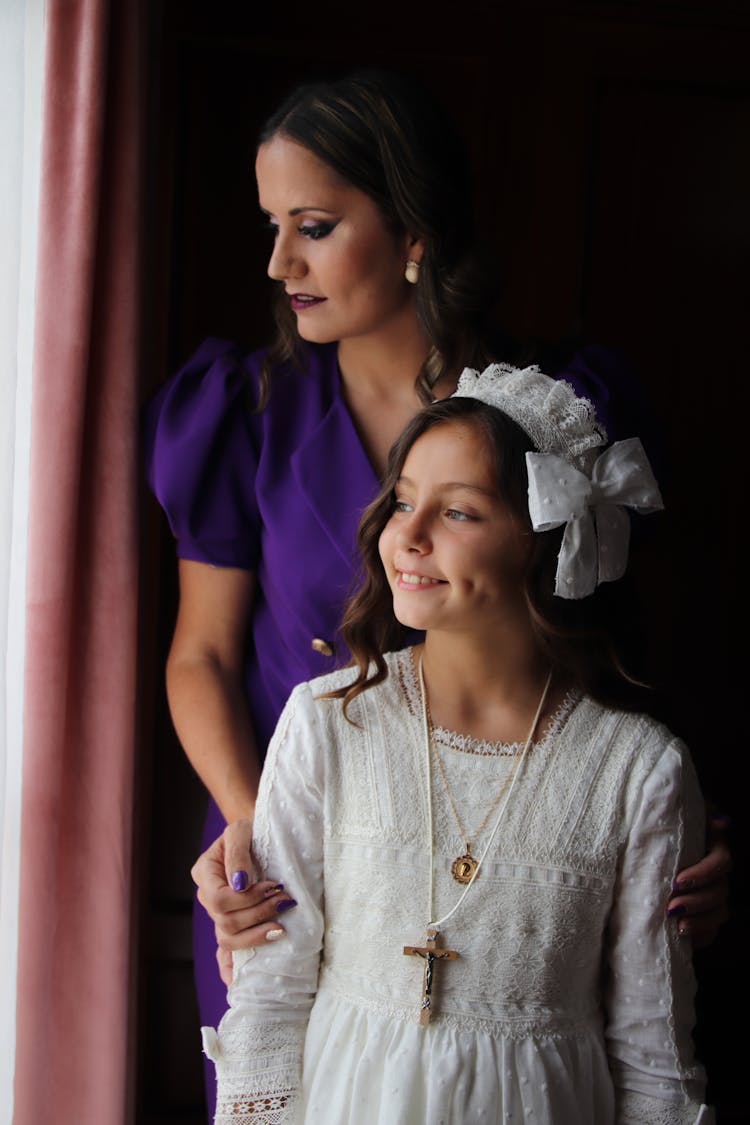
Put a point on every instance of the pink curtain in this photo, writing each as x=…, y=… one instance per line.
x=74, y=972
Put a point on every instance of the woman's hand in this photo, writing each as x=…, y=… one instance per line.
x=700, y=899
x=244, y=913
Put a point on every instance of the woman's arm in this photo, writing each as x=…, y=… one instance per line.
x=244, y=913
x=700, y=898
x=207, y=700
x=205, y=684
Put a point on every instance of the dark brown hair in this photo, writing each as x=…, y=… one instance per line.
x=575, y=637
x=385, y=135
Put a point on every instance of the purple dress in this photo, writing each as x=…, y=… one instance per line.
x=280, y=493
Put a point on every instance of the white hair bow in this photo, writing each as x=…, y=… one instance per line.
x=597, y=533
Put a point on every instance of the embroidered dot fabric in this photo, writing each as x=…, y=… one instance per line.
x=572, y=996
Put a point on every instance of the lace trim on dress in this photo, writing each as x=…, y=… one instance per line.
x=272, y=1109
x=268, y=1095
x=514, y=1030
x=635, y=1109
x=466, y=743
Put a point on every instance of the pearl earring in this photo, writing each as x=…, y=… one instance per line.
x=411, y=273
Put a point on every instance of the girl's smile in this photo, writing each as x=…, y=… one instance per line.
x=408, y=579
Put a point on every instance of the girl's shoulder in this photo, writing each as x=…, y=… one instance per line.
x=628, y=727
x=624, y=748
x=393, y=691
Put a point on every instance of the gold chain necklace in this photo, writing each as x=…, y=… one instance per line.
x=430, y=952
x=464, y=866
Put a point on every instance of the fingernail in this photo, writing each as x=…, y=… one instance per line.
x=274, y=935
x=273, y=890
x=239, y=881
x=683, y=885
x=676, y=911
x=287, y=904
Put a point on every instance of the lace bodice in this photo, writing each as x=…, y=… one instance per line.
x=562, y=933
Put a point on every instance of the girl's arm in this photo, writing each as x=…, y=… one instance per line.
x=650, y=984
x=259, y=1044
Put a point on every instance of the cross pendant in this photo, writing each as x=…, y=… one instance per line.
x=430, y=953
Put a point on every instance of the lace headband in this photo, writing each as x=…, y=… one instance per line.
x=571, y=481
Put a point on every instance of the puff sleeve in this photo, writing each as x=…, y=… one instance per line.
x=201, y=456
x=259, y=1045
x=651, y=985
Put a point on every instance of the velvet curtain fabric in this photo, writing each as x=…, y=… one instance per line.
x=79, y=707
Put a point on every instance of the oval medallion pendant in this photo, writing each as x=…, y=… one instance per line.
x=463, y=868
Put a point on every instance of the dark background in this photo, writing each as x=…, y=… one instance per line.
x=611, y=153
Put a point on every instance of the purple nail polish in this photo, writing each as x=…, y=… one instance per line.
x=676, y=885
x=677, y=911
x=239, y=881
x=287, y=904
x=273, y=890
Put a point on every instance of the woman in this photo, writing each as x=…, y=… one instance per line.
x=265, y=462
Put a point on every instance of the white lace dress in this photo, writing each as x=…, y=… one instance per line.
x=571, y=1000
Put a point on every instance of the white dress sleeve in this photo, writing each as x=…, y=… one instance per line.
x=259, y=1045
x=650, y=983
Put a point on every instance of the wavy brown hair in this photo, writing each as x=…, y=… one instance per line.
x=577, y=638
x=385, y=135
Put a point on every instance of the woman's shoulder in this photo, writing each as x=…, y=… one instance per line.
x=211, y=403
x=200, y=455
x=204, y=436
x=221, y=371
x=217, y=380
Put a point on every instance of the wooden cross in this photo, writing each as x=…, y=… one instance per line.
x=430, y=952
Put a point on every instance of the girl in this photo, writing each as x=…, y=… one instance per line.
x=479, y=834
